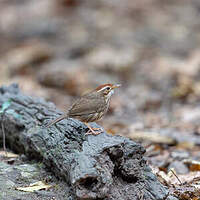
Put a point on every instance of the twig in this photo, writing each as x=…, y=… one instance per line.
x=176, y=176
x=4, y=136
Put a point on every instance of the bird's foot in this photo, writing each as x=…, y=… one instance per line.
x=94, y=131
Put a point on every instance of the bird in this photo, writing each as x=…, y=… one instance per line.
x=90, y=107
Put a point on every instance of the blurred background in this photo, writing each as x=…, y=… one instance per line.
x=59, y=49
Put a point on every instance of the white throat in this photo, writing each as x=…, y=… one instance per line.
x=109, y=95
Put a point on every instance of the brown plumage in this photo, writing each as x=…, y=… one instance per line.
x=91, y=106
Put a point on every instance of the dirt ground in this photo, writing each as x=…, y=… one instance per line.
x=60, y=49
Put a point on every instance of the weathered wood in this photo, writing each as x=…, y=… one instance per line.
x=96, y=167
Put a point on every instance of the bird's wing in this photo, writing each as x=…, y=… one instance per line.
x=85, y=105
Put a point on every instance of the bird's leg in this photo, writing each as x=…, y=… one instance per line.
x=93, y=131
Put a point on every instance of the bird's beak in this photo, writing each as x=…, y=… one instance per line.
x=116, y=86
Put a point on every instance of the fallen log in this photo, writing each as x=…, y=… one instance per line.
x=96, y=167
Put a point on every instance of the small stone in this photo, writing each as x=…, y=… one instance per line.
x=112, y=60
x=180, y=155
x=19, y=59
x=179, y=167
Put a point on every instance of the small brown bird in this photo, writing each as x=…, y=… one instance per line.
x=90, y=107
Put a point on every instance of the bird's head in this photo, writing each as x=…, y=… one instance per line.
x=107, y=89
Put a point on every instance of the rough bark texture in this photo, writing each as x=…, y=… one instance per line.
x=97, y=167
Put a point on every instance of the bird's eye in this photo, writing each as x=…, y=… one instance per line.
x=108, y=88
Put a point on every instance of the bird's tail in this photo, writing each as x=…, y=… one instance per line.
x=57, y=120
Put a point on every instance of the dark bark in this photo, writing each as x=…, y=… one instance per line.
x=96, y=167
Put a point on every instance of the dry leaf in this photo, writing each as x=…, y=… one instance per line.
x=151, y=136
x=34, y=187
x=8, y=154
x=185, y=145
x=193, y=164
x=163, y=178
x=168, y=179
